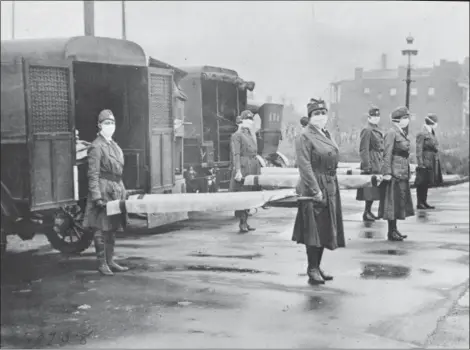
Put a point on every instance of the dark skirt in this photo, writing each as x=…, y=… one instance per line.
x=368, y=194
x=429, y=177
x=318, y=227
x=395, y=200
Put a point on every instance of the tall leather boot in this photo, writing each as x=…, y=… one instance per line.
x=248, y=226
x=425, y=198
x=313, y=271
x=393, y=234
x=100, y=248
x=324, y=275
x=110, y=241
x=420, y=197
x=243, y=215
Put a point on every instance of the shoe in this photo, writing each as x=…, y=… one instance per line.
x=100, y=249
x=400, y=234
x=375, y=217
x=250, y=228
x=421, y=206
x=394, y=236
x=368, y=217
x=325, y=276
x=109, y=250
x=315, y=277
x=428, y=206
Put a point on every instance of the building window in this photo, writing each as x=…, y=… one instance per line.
x=366, y=90
x=338, y=93
x=393, y=92
x=414, y=91
x=431, y=91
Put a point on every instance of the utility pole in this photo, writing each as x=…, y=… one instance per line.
x=13, y=19
x=123, y=18
x=89, y=17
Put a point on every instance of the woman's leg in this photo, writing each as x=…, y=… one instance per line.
x=425, y=198
x=110, y=242
x=313, y=271
x=325, y=276
x=100, y=248
x=393, y=235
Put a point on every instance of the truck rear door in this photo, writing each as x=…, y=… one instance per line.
x=50, y=133
x=161, y=130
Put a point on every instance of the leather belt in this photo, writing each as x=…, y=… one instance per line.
x=111, y=177
x=401, y=153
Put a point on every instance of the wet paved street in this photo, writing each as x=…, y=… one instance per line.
x=204, y=285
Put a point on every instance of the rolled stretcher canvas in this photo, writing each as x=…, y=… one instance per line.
x=185, y=202
x=290, y=181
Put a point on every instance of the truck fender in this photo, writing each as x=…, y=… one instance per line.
x=284, y=158
x=261, y=161
x=9, y=208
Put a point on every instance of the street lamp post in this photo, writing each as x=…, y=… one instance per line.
x=409, y=51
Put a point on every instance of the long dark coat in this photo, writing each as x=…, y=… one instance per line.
x=105, y=168
x=371, y=151
x=395, y=196
x=427, y=156
x=243, y=151
x=317, y=158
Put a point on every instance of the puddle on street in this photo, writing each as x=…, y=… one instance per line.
x=370, y=230
x=222, y=269
x=384, y=271
x=388, y=252
x=315, y=302
x=243, y=256
x=423, y=216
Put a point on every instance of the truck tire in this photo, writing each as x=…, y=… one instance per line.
x=4, y=242
x=68, y=235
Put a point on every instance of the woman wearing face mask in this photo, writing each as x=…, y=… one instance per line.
x=396, y=202
x=243, y=148
x=428, y=172
x=371, y=151
x=105, y=168
x=319, y=224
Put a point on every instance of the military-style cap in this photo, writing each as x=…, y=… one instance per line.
x=246, y=114
x=374, y=112
x=315, y=105
x=304, y=121
x=105, y=114
x=431, y=117
x=400, y=112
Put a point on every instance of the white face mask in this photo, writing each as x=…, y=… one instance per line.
x=319, y=120
x=403, y=123
x=374, y=120
x=107, y=130
x=248, y=123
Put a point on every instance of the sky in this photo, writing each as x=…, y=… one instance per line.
x=293, y=49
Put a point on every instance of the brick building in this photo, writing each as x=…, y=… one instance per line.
x=442, y=89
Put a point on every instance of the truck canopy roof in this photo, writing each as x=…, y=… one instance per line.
x=80, y=48
x=218, y=74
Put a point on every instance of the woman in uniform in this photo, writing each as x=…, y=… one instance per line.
x=428, y=172
x=396, y=202
x=319, y=223
x=371, y=152
x=105, y=167
x=244, y=148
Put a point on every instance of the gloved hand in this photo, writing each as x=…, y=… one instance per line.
x=100, y=203
x=387, y=177
x=318, y=197
x=238, y=176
